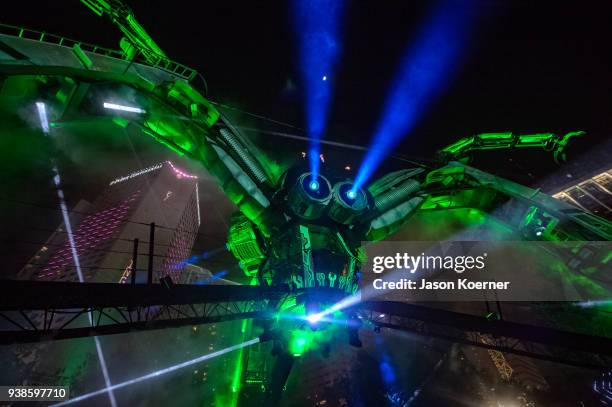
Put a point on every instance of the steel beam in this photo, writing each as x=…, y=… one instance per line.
x=505, y=336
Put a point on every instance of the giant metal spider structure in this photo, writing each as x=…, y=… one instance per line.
x=291, y=230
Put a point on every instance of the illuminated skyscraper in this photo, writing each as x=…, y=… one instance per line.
x=593, y=194
x=103, y=231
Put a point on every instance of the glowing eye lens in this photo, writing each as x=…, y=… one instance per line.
x=314, y=185
x=351, y=194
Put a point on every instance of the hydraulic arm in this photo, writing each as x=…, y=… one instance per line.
x=463, y=148
x=136, y=37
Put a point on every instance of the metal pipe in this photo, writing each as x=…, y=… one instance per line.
x=254, y=167
x=134, y=261
x=151, y=249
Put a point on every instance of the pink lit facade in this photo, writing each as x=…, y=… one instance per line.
x=105, y=229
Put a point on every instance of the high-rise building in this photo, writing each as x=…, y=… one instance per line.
x=102, y=233
x=592, y=193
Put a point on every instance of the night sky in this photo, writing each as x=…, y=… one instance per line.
x=529, y=67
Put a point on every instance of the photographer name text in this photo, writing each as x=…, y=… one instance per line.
x=424, y=284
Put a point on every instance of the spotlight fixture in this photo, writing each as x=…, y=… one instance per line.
x=347, y=203
x=309, y=196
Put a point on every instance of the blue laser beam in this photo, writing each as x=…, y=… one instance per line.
x=212, y=278
x=160, y=372
x=317, y=30
x=425, y=69
x=213, y=252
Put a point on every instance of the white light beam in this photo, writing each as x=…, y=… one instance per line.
x=160, y=372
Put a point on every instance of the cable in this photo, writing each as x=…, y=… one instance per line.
x=256, y=115
x=90, y=248
x=327, y=142
x=84, y=267
x=146, y=254
x=116, y=238
x=305, y=138
x=205, y=83
x=123, y=221
x=113, y=268
x=84, y=249
x=205, y=262
x=73, y=211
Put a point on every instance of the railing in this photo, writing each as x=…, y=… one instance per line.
x=156, y=61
